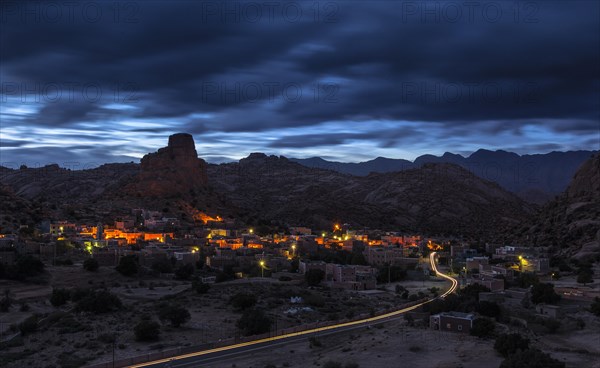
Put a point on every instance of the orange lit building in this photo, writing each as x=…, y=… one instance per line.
x=133, y=237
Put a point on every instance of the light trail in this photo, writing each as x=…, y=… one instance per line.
x=365, y=321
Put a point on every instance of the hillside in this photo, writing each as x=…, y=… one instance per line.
x=536, y=178
x=571, y=222
x=437, y=198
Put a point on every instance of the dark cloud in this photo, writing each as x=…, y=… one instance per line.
x=211, y=67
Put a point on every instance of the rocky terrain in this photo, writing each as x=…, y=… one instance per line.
x=536, y=178
x=435, y=198
x=440, y=198
x=172, y=171
x=571, y=222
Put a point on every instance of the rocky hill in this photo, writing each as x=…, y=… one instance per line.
x=436, y=198
x=571, y=222
x=536, y=178
x=440, y=198
x=172, y=171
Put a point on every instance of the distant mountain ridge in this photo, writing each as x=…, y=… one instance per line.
x=536, y=178
x=436, y=198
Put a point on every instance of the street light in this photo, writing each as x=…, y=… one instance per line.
x=262, y=269
x=293, y=250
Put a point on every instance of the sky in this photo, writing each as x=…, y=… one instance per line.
x=87, y=83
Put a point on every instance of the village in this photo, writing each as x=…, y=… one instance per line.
x=299, y=278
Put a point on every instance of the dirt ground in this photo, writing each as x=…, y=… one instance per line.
x=391, y=345
x=74, y=338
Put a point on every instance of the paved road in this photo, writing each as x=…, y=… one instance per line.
x=213, y=355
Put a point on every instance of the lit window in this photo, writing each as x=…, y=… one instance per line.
x=448, y=326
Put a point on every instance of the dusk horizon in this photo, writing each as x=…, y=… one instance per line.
x=295, y=184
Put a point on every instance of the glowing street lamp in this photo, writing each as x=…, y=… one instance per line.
x=293, y=250
x=262, y=269
x=251, y=231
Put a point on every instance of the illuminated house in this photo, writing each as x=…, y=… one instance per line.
x=62, y=227
x=133, y=237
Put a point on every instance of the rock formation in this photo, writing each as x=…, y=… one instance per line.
x=173, y=170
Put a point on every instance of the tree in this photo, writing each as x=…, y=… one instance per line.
x=60, y=297
x=314, y=277
x=489, y=309
x=29, y=325
x=483, y=327
x=508, y=344
x=147, y=331
x=526, y=279
x=531, y=358
x=595, y=307
x=585, y=276
x=472, y=291
x=544, y=293
x=127, y=266
x=184, y=272
x=96, y=301
x=254, y=322
x=200, y=287
x=175, y=314
x=5, y=302
x=242, y=301
x=91, y=264
x=162, y=266
x=358, y=259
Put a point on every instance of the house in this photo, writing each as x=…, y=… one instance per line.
x=489, y=282
x=476, y=262
x=305, y=266
x=547, y=310
x=452, y=321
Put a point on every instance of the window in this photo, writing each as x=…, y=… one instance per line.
x=448, y=326
x=460, y=327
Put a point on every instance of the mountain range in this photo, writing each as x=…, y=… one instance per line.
x=536, y=178
x=432, y=198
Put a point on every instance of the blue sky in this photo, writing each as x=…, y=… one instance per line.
x=346, y=81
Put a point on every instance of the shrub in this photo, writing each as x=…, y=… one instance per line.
x=29, y=325
x=254, y=322
x=595, y=307
x=200, y=287
x=585, y=276
x=127, y=266
x=531, y=358
x=508, y=344
x=544, y=293
x=242, y=301
x=147, y=331
x=98, y=302
x=313, y=341
x=552, y=325
x=5, y=303
x=483, y=327
x=24, y=267
x=488, y=309
x=60, y=297
x=162, y=266
x=91, y=265
x=184, y=272
x=314, y=277
x=314, y=300
x=175, y=314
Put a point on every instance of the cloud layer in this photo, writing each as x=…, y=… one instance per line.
x=99, y=82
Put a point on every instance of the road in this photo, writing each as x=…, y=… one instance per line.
x=216, y=354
